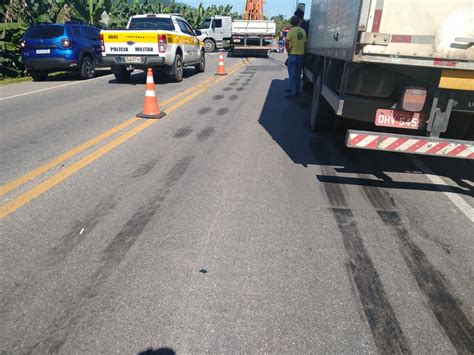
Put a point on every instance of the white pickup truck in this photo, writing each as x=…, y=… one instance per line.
x=164, y=42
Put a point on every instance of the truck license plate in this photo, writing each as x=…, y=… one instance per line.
x=43, y=51
x=400, y=119
x=133, y=59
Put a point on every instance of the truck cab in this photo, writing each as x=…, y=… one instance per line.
x=216, y=32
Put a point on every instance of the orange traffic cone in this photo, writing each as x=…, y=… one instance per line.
x=220, y=66
x=150, y=109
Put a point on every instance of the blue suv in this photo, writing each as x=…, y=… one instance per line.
x=72, y=46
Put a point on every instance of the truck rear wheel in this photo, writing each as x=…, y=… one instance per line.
x=121, y=74
x=321, y=116
x=209, y=45
x=307, y=85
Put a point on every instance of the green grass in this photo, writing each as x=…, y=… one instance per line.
x=14, y=80
x=56, y=76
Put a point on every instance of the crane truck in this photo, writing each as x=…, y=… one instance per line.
x=405, y=67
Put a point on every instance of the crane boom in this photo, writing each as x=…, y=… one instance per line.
x=253, y=10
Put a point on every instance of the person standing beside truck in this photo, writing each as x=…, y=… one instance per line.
x=303, y=23
x=295, y=46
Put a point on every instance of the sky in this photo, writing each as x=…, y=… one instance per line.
x=271, y=7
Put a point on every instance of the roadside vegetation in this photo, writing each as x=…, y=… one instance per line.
x=281, y=22
x=16, y=17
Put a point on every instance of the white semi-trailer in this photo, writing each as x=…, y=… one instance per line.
x=405, y=66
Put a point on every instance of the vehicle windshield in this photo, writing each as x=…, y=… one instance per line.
x=44, y=31
x=151, y=23
x=206, y=23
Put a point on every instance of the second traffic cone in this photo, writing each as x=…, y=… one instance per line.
x=220, y=66
x=150, y=107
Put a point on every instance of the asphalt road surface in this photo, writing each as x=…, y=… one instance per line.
x=224, y=227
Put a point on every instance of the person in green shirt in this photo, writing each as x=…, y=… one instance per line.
x=295, y=46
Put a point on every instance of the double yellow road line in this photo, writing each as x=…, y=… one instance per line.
x=170, y=105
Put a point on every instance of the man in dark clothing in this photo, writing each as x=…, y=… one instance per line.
x=303, y=24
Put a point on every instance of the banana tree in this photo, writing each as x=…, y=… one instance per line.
x=10, y=59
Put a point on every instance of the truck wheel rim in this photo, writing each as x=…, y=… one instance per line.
x=208, y=45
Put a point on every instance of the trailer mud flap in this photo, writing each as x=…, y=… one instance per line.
x=410, y=144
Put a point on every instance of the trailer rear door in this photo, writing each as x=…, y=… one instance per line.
x=438, y=29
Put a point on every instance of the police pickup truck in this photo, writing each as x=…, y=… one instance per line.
x=164, y=42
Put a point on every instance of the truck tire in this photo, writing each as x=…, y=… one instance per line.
x=307, y=85
x=201, y=67
x=87, y=68
x=121, y=74
x=38, y=75
x=177, y=70
x=321, y=115
x=209, y=45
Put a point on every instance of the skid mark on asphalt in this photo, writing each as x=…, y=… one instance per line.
x=240, y=89
x=133, y=228
x=382, y=200
x=233, y=97
x=205, y=134
x=81, y=229
x=78, y=232
x=218, y=97
x=222, y=111
x=227, y=88
x=418, y=229
x=70, y=317
x=145, y=168
x=383, y=323
x=379, y=199
x=204, y=110
x=183, y=132
x=444, y=305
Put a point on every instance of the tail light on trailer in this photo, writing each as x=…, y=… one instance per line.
x=66, y=43
x=101, y=39
x=162, y=43
x=414, y=99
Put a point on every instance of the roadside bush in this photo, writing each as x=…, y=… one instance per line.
x=10, y=58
